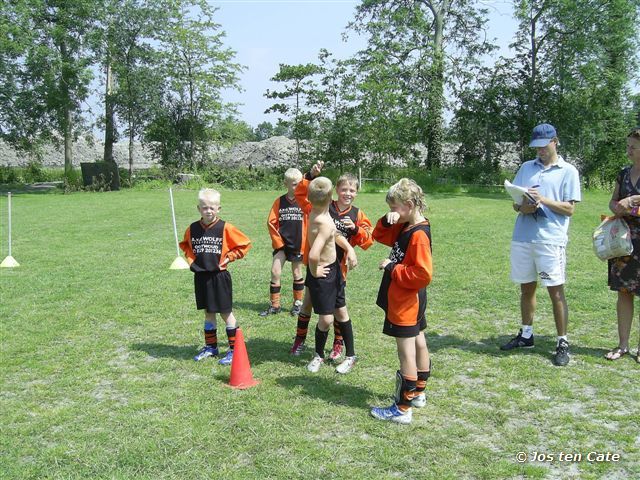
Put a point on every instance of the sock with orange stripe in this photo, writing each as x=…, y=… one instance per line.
x=303, y=326
x=298, y=289
x=210, y=335
x=423, y=376
x=231, y=335
x=274, y=295
x=407, y=392
x=337, y=332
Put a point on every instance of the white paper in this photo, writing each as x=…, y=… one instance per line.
x=517, y=193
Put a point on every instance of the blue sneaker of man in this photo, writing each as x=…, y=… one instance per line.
x=205, y=352
x=392, y=414
x=226, y=360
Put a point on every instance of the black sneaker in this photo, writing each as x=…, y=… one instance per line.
x=270, y=311
x=561, y=358
x=518, y=342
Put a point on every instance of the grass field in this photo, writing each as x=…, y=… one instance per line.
x=98, y=336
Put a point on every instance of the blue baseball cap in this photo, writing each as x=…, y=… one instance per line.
x=542, y=134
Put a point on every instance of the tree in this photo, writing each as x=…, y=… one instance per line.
x=409, y=38
x=137, y=84
x=298, y=86
x=576, y=61
x=338, y=139
x=197, y=67
x=47, y=71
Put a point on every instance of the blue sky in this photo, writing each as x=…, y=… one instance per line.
x=265, y=33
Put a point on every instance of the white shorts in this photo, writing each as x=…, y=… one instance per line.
x=531, y=262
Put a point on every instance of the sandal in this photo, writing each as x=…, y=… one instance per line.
x=616, y=354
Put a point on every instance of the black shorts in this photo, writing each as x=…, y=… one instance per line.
x=404, y=331
x=213, y=291
x=327, y=294
x=290, y=254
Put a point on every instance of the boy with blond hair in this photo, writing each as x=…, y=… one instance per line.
x=354, y=229
x=324, y=280
x=287, y=228
x=210, y=244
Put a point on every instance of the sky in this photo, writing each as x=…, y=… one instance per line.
x=266, y=33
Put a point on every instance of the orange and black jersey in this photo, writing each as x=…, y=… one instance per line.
x=287, y=225
x=360, y=237
x=206, y=246
x=402, y=293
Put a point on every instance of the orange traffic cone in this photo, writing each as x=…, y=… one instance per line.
x=241, y=376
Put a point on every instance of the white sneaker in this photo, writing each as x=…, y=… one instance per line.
x=315, y=363
x=419, y=401
x=346, y=365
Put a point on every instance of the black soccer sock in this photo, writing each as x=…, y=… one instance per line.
x=321, y=341
x=231, y=335
x=347, y=334
x=274, y=295
x=408, y=392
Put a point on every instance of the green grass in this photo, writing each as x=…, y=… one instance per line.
x=98, y=336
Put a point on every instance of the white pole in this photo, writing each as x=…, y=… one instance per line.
x=9, y=261
x=173, y=217
x=360, y=177
x=179, y=263
x=9, y=223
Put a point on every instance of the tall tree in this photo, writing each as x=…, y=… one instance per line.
x=299, y=85
x=50, y=69
x=577, y=60
x=197, y=67
x=339, y=130
x=413, y=37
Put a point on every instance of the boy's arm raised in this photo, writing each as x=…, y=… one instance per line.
x=385, y=232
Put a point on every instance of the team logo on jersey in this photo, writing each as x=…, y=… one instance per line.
x=207, y=245
x=396, y=255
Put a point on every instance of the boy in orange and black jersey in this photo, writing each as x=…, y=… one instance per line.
x=210, y=244
x=353, y=225
x=403, y=297
x=287, y=228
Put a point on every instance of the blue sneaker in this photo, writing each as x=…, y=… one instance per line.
x=393, y=414
x=205, y=352
x=226, y=360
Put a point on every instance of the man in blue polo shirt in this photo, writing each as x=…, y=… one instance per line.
x=540, y=236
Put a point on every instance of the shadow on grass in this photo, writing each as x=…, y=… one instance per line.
x=161, y=350
x=544, y=346
x=260, y=350
x=331, y=390
x=253, y=306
